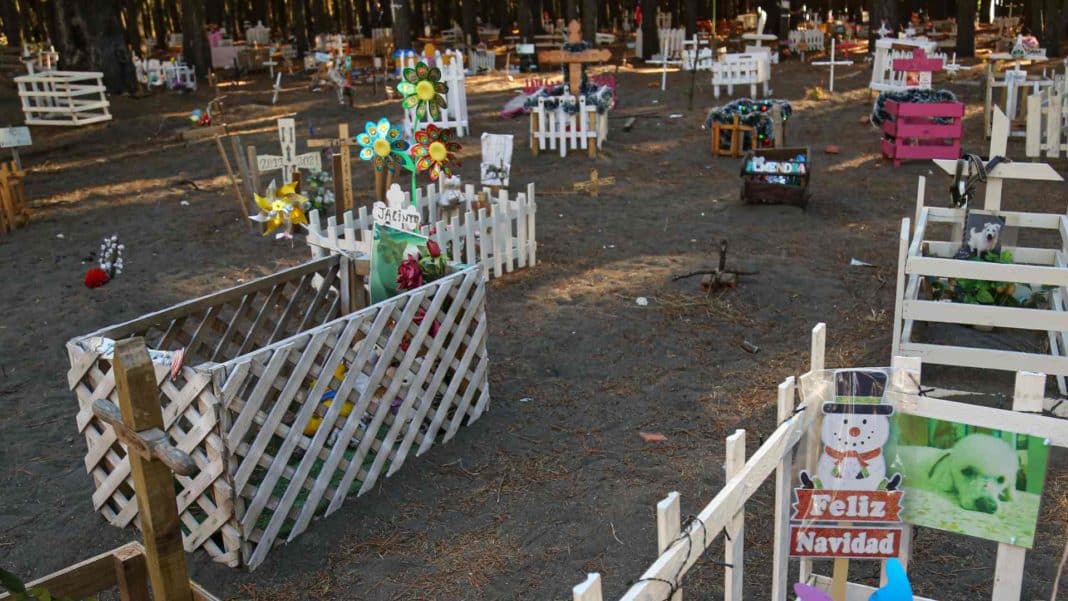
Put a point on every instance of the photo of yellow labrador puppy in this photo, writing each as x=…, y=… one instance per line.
x=978, y=473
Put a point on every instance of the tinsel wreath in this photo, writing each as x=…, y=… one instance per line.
x=879, y=114
x=755, y=113
x=597, y=96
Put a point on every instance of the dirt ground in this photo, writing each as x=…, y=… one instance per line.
x=554, y=481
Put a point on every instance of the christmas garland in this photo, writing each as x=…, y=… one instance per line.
x=600, y=97
x=754, y=113
x=879, y=114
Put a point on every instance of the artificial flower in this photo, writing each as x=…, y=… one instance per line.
x=96, y=277
x=423, y=91
x=435, y=151
x=382, y=142
x=433, y=248
x=417, y=319
x=281, y=207
x=409, y=274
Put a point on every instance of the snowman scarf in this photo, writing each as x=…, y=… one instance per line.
x=862, y=458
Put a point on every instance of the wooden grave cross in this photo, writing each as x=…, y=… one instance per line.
x=832, y=63
x=289, y=161
x=574, y=60
x=593, y=185
x=342, y=165
x=138, y=424
x=921, y=65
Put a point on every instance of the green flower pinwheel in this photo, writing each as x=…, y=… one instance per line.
x=423, y=91
x=383, y=143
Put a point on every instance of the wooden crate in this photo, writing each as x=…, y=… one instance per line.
x=63, y=98
x=556, y=130
x=791, y=447
x=122, y=568
x=914, y=133
x=501, y=237
x=759, y=192
x=13, y=210
x=258, y=359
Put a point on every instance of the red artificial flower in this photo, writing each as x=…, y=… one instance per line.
x=418, y=320
x=433, y=248
x=409, y=274
x=96, y=277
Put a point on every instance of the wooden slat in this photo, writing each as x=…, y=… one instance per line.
x=985, y=315
x=981, y=270
x=962, y=356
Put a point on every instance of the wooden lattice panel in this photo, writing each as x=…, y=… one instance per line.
x=210, y=329
x=404, y=372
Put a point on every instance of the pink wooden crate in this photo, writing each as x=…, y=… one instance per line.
x=914, y=134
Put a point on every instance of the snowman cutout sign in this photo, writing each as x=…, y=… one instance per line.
x=856, y=427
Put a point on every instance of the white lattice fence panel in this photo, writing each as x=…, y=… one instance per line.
x=404, y=372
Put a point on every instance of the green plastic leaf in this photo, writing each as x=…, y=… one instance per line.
x=984, y=297
x=11, y=582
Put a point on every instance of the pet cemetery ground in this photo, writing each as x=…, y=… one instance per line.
x=606, y=293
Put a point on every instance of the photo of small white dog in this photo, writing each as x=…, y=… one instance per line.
x=978, y=473
x=974, y=481
x=982, y=235
x=984, y=239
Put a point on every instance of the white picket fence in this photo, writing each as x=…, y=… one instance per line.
x=1047, y=123
x=668, y=38
x=797, y=437
x=555, y=129
x=1014, y=85
x=451, y=64
x=883, y=76
x=741, y=69
x=693, y=51
x=501, y=239
x=481, y=59
x=806, y=40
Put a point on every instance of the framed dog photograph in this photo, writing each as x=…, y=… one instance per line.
x=975, y=481
x=982, y=235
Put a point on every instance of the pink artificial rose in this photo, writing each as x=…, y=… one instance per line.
x=433, y=248
x=409, y=275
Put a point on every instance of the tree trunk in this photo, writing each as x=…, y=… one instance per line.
x=690, y=8
x=1051, y=32
x=418, y=17
x=965, y=28
x=214, y=13
x=882, y=10
x=159, y=24
x=364, y=17
x=88, y=35
x=402, y=28
x=133, y=25
x=589, y=20
x=9, y=14
x=195, y=47
x=467, y=18
x=259, y=12
x=571, y=10
x=984, y=11
x=650, y=39
x=300, y=28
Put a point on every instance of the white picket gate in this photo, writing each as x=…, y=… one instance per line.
x=502, y=239
x=1047, y=123
x=555, y=129
x=749, y=69
x=793, y=446
x=451, y=64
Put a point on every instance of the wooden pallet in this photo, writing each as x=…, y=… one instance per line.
x=13, y=210
x=63, y=98
x=258, y=359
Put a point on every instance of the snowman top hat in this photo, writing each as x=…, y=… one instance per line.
x=859, y=391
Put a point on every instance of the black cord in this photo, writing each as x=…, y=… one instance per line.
x=674, y=584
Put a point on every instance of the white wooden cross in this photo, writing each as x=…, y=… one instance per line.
x=277, y=87
x=289, y=161
x=999, y=142
x=759, y=37
x=397, y=211
x=832, y=63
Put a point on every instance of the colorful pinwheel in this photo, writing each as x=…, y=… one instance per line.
x=423, y=91
x=281, y=207
x=434, y=151
x=383, y=143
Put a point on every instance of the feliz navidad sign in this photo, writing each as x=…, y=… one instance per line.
x=849, y=507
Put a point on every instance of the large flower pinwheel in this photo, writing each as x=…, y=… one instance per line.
x=423, y=91
x=434, y=151
x=383, y=143
x=281, y=207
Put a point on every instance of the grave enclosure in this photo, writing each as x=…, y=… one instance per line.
x=248, y=398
